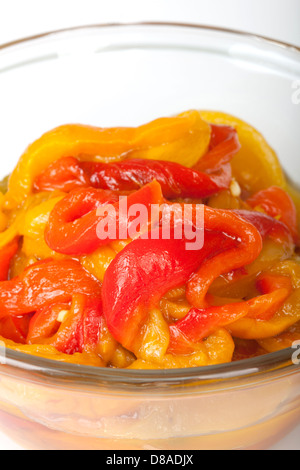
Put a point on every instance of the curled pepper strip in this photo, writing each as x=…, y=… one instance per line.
x=72, y=226
x=46, y=283
x=146, y=269
x=129, y=175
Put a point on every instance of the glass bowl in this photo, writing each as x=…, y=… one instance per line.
x=110, y=75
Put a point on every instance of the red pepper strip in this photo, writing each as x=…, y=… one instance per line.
x=129, y=175
x=199, y=323
x=176, y=180
x=147, y=269
x=72, y=226
x=6, y=255
x=15, y=328
x=46, y=283
x=276, y=202
x=275, y=289
x=268, y=226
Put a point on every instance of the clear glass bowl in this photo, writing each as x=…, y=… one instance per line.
x=112, y=75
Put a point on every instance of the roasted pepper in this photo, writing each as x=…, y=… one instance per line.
x=177, y=181
x=184, y=139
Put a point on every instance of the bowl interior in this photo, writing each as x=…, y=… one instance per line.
x=130, y=74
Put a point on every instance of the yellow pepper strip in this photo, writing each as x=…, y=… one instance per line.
x=49, y=352
x=288, y=315
x=184, y=139
x=30, y=222
x=220, y=347
x=285, y=340
x=174, y=309
x=36, y=218
x=295, y=195
x=98, y=262
x=155, y=338
x=121, y=358
x=197, y=359
x=216, y=349
x=289, y=268
x=19, y=263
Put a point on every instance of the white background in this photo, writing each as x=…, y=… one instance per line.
x=278, y=19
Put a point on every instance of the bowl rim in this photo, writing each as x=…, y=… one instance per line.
x=247, y=367
x=199, y=26
x=278, y=362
